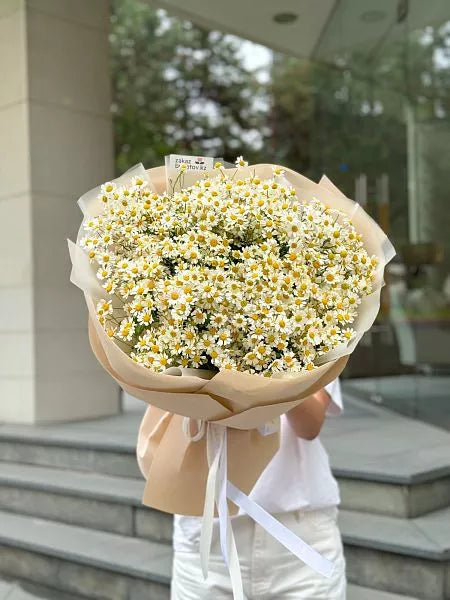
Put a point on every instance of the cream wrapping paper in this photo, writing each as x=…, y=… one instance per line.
x=175, y=466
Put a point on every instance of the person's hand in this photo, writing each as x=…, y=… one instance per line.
x=307, y=418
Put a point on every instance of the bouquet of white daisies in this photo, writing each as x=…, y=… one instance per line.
x=233, y=272
x=223, y=298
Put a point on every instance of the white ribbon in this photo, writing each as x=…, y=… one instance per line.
x=218, y=489
x=216, y=494
x=188, y=426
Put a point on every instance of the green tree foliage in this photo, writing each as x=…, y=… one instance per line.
x=179, y=89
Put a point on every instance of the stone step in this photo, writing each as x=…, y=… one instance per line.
x=90, y=500
x=77, y=446
x=386, y=463
x=409, y=557
x=356, y=592
x=90, y=564
x=106, y=450
x=403, y=556
x=26, y=591
x=400, y=497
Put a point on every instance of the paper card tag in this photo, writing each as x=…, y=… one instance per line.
x=197, y=167
x=193, y=163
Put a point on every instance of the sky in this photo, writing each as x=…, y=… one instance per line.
x=255, y=56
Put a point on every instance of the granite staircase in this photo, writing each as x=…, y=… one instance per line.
x=72, y=525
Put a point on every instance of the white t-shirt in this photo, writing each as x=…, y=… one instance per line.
x=300, y=469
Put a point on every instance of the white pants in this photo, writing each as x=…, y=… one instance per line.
x=269, y=570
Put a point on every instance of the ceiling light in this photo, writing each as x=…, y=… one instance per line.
x=284, y=18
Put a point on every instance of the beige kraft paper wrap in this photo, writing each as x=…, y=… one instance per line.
x=175, y=467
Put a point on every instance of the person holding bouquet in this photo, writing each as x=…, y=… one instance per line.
x=229, y=301
x=299, y=489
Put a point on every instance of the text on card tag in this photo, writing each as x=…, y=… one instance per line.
x=193, y=163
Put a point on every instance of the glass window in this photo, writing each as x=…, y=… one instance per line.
x=381, y=114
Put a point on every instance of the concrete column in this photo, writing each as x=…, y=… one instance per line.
x=55, y=143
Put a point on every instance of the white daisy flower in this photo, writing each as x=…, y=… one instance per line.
x=240, y=162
